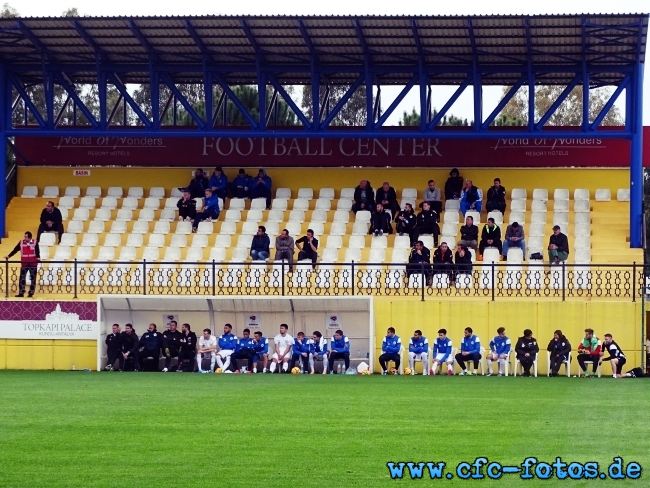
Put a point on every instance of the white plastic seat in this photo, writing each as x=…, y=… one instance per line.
x=181, y=227
x=135, y=192
x=297, y=216
x=334, y=242
x=115, y=191
x=518, y=206
x=535, y=244
x=360, y=228
x=347, y=193
x=124, y=214
x=536, y=230
x=233, y=216
x=165, y=228
x=561, y=219
x=294, y=228
x=538, y=218
x=254, y=216
x=317, y=227
x=622, y=195
x=68, y=239
x=205, y=228
x=450, y=240
x=567, y=364
x=475, y=215
x=307, y=193
x=146, y=215
x=75, y=227
x=581, y=206
x=244, y=240
x=156, y=240
x=172, y=254
x=540, y=194
x=330, y=255
x=152, y=203
x=352, y=254
x=379, y=242
x=319, y=216
x=517, y=364
x=151, y=253
x=582, y=230
x=581, y=194
x=81, y=214
x=519, y=217
x=157, y=192
x=171, y=202
x=560, y=205
x=338, y=229
x=603, y=195
x=199, y=240
x=284, y=193
x=377, y=255
x=102, y=214
x=127, y=253
x=258, y=204
x=561, y=194
x=357, y=242
x=29, y=192
x=427, y=240
x=73, y=191
x=582, y=242
x=228, y=228
x=279, y=204
x=62, y=253
x=451, y=205
x=47, y=239
x=112, y=240
x=194, y=254
x=130, y=203
x=218, y=254
x=66, y=202
x=84, y=253
x=327, y=193
x=223, y=241
x=583, y=256
x=497, y=216
x=323, y=204
x=96, y=227
x=106, y=253
x=344, y=204
x=582, y=218
x=177, y=193
x=140, y=227
x=342, y=216
x=538, y=206
x=168, y=214
x=275, y=216
x=237, y=204
x=51, y=192
x=178, y=240
x=451, y=217
x=87, y=202
x=518, y=194
x=362, y=216
x=410, y=193
x=402, y=242
x=515, y=255
x=449, y=229
x=399, y=255
x=239, y=254
x=301, y=204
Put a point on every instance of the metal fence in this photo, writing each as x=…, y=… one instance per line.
x=489, y=281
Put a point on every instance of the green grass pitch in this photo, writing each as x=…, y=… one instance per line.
x=174, y=430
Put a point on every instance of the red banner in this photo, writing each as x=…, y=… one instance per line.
x=543, y=151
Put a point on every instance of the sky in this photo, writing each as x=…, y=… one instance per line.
x=463, y=106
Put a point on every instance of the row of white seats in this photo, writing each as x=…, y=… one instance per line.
x=558, y=206
x=96, y=192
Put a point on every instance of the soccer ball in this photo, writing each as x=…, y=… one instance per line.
x=365, y=372
x=218, y=371
x=408, y=371
x=295, y=370
x=392, y=371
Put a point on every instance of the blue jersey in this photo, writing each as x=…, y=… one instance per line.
x=218, y=182
x=212, y=202
x=418, y=346
x=318, y=348
x=470, y=345
x=228, y=342
x=340, y=345
x=391, y=345
x=261, y=347
x=500, y=346
x=442, y=346
x=300, y=347
x=245, y=343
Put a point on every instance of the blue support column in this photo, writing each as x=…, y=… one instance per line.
x=5, y=118
x=636, y=161
x=154, y=83
x=101, y=87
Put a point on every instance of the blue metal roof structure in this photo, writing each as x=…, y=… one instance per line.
x=589, y=50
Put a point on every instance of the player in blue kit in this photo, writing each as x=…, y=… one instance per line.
x=442, y=349
x=470, y=350
x=261, y=350
x=419, y=351
x=301, y=352
x=499, y=351
x=227, y=346
x=391, y=347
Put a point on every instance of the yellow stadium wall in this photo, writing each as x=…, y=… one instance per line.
x=336, y=178
x=622, y=320
x=47, y=354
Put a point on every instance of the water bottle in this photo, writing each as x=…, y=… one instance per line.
x=368, y=355
x=358, y=353
x=74, y=368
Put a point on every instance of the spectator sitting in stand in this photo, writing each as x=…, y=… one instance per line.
x=419, y=260
x=240, y=185
x=558, y=246
x=496, y=197
x=198, y=185
x=443, y=259
x=260, y=245
x=405, y=221
x=426, y=223
x=463, y=260
x=432, y=196
x=261, y=187
x=284, y=248
x=453, y=185
x=388, y=198
x=210, y=210
x=219, y=183
x=471, y=198
x=309, y=248
x=469, y=234
x=186, y=206
x=514, y=238
x=51, y=221
x=380, y=222
x=364, y=197
x=490, y=237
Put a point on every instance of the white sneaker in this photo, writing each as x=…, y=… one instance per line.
x=463, y=373
x=201, y=371
x=165, y=370
x=490, y=374
x=181, y=219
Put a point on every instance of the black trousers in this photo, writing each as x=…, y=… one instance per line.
x=475, y=357
x=588, y=357
x=23, y=279
x=308, y=255
x=425, y=229
x=345, y=356
x=296, y=358
x=556, y=362
x=402, y=228
x=133, y=356
x=526, y=362
x=187, y=212
x=384, y=358
x=246, y=354
x=58, y=228
x=186, y=360
x=619, y=366
x=483, y=244
x=113, y=356
x=173, y=353
x=146, y=353
x=500, y=206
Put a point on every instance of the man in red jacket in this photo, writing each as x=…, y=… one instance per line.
x=30, y=255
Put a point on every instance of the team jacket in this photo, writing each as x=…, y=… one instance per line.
x=340, y=345
x=113, y=342
x=442, y=347
x=319, y=348
x=561, y=347
x=188, y=342
x=227, y=342
x=529, y=346
x=151, y=341
x=172, y=339
x=245, y=343
x=590, y=346
x=391, y=345
x=500, y=346
x=419, y=346
x=300, y=347
x=470, y=345
x=261, y=347
x=129, y=342
x=614, y=351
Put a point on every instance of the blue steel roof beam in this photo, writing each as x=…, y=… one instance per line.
x=114, y=111
x=443, y=111
x=44, y=52
x=181, y=98
x=504, y=101
x=551, y=110
x=423, y=78
x=341, y=103
x=253, y=41
x=28, y=101
x=585, y=79
x=218, y=108
x=128, y=99
x=391, y=108
x=233, y=98
x=78, y=102
x=290, y=102
x=307, y=39
x=144, y=42
x=99, y=53
x=477, y=85
x=196, y=38
x=603, y=112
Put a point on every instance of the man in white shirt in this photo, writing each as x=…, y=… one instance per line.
x=207, y=346
x=283, y=348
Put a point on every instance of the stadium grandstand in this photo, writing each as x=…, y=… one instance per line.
x=117, y=182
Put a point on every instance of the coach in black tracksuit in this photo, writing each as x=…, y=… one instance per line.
x=187, y=354
x=527, y=350
x=150, y=344
x=616, y=355
x=171, y=343
x=129, y=342
x=113, y=347
x=559, y=347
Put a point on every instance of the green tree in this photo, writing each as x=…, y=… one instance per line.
x=352, y=114
x=71, y=12
x=8, y=12
x=413, y=119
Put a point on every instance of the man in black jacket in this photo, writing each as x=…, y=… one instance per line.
x=129, y=343
x=187, y=353
x=308, y=247
x=113, y=347
x=558, y=246
x=443, y=259
x=405, y=221
x=490, y=237
x=364, y=197
x=388, y=198
x=186, y=206
x=51, y=221
x=260, y=245
x=171, y=344
x=426, y=223
x=149, y=346
x=419, y=260
x=453, y=185
x=469, y=234
x=380, y=222
x=527, y=349
x=199, y=184
x=559, y=347
x=496, y=197
x=616, y=356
